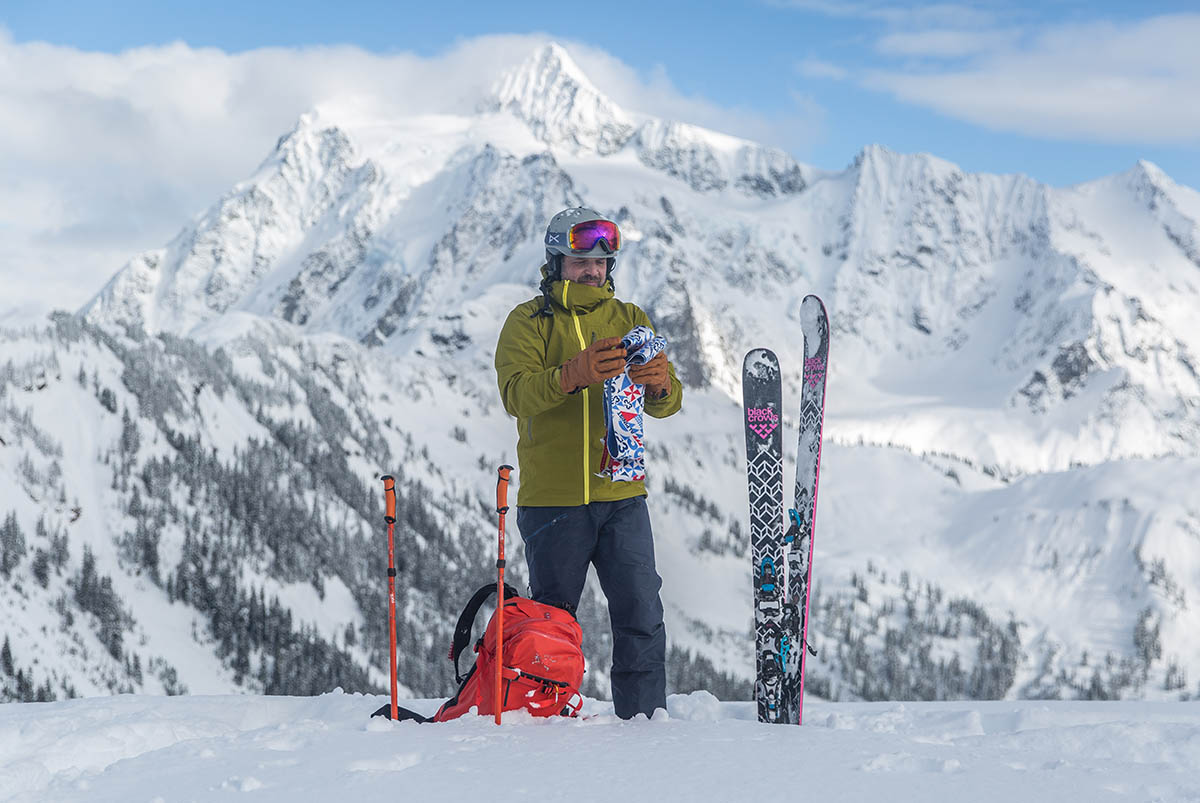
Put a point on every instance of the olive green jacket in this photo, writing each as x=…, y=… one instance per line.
x=560, y=439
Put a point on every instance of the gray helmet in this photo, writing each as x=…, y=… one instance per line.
x=603, y=240
x=599, y=243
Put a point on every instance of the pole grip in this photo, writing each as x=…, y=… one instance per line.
x=389, y=496
x=504, y=473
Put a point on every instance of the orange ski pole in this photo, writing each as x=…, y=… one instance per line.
x=389, y=495
x=501, y=510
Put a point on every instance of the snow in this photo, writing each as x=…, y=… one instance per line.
x=700, y=749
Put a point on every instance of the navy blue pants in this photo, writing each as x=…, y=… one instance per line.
x=615, y=537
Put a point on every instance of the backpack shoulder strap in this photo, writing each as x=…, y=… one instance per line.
x=402, y=714
x=466, y=621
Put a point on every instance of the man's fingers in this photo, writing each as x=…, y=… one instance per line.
x=607, y=343
x=659, y=363
x=611, y=367
x=649, y=378
x=656, y=368
x=608, y=360
x=617, y=355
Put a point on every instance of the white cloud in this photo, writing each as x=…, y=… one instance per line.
x=948, y=15
x=1134, y=82
x=816, y=68
x=1129, y=83
x=656, y=94
x=106, y=155
x=946, y=43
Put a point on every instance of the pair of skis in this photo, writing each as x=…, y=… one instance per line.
x=781, y=592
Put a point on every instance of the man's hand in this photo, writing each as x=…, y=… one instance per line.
x=653, y=375
x=598, y=362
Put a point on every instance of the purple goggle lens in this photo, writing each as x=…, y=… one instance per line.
x=584, y=236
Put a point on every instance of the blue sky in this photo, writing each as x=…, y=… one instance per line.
x=801, y=65
x=120, y=121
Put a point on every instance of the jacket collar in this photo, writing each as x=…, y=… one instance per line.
x=576, y=297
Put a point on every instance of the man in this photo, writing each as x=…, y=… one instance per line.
x=552, y=358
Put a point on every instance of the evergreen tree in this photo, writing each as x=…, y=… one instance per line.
x=6, y=658
x=12, y=544
x=86, y=583
x=130, y=439
x=41, y=567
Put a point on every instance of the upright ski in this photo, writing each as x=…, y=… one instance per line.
x=761, y=395
x=799, y=537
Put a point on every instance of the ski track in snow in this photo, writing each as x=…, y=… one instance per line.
x=131, y=748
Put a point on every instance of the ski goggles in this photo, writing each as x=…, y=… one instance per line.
x=587, y=235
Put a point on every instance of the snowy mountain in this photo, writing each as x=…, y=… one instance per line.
x=1012, y=437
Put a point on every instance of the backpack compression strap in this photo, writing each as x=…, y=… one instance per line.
x=466, y=621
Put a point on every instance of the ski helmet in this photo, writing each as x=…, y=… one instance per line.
x=591, y=233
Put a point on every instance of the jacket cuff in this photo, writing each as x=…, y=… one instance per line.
x=556, y=373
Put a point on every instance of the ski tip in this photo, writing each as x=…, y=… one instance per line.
x=812, y=302
x=814, y=323
x=754, y=355
x=760, y=364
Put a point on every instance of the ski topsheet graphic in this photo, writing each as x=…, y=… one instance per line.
x=781, y=593
x=761, y=395
x=798, y=540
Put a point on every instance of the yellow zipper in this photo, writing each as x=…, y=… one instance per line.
x=587, y=491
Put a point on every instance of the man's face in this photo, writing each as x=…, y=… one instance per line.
x=585, y=270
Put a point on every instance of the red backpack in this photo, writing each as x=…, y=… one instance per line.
x=543, y=661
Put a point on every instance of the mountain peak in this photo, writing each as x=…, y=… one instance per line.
x=313, y=142
x=874, y=152
x=880, y=171
x=1150, y=171
x=1148, y=181
x=560, y=104
x=555, y=62
x=877, y=156
x=1145, y=181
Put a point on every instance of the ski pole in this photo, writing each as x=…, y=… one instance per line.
x=389, y=495
x=501, y=510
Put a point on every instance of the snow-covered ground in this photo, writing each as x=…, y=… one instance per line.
x=141, y=748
